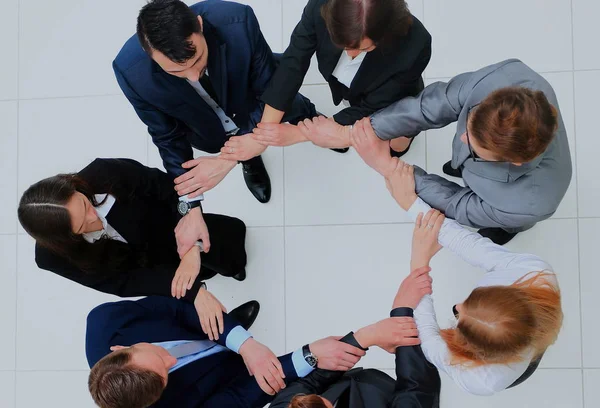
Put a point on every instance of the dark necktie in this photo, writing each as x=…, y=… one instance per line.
x=207, y=85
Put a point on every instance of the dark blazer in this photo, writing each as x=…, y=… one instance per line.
x=220, y=380
x=385, y=76
x=417, y=383
x=145, y=215
x=240, y=65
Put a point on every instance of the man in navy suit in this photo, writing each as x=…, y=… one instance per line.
x=194, y=76
x=153, y=352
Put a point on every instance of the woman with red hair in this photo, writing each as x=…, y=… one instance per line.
x=506, y=323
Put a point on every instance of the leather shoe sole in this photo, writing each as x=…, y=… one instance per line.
x=246, y=314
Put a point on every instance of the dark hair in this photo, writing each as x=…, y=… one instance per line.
x=307, y=401
x=349, y=21
x=166, y=26
x=515, y=123
x=43, y=214
x=115, y=383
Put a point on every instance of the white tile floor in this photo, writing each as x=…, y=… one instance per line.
x=326, y=254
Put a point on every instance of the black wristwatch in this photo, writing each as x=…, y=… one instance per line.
x=184, y=207
x=309, y=357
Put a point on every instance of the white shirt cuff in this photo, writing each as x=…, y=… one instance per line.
x=419, y=206
x=189, y=200
x=236, y=337
x=300, y=365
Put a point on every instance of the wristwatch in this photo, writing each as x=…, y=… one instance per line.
x=184, y=207
x=309, y=357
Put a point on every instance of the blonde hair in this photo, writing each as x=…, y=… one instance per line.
x=498, y=323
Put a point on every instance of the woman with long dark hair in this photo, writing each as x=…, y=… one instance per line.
x=111, y=227
x=372, y=53
x=507, y=322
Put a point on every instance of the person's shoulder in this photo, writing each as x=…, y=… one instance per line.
x=131, y=56
x=220, y=13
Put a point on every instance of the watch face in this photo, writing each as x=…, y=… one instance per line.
x=311, y=360
x=183, y=207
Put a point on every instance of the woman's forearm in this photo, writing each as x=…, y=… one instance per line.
x=272, y=115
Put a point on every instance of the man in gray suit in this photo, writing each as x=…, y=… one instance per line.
x=513, y=156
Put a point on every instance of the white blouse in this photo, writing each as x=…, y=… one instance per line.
x=102, y=211
x=503, y=268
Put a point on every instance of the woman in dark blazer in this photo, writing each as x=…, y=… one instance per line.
x=111, y=226
x=372, y=53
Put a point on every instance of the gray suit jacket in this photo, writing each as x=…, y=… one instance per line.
x=497, y=194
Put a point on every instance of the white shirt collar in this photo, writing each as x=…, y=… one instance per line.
x=102, y=211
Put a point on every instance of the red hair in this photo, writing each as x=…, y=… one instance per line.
x=498, y=323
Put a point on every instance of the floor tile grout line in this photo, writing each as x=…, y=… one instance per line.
x=577, y=206
x=285, y=348
x=436, y=78
x=16, y=324
x=352, y=224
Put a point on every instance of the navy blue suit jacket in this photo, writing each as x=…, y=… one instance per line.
x=240, y=66
x=219, y=380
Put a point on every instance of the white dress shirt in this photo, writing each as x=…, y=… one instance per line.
x=503, y=268
x=347, y=68
x=102, y=211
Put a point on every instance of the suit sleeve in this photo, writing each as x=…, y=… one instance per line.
x=438, y=105
x=476, y=250
x=466, y=207
x=398, y=87
x=417, y=381
x=294, y=64
x=262, y=67
x=130, y=177
x=315, y=383
x=168, y=133
x=139, y=281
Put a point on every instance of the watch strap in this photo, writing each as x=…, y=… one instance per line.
x=194, y=204
x=306, y=351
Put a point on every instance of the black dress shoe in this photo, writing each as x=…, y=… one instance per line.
x=451, y=171
x=497, y=235
x=342, y=150
x=257, y=179
x=240, y=276
x=403, y=152
x=246, y=314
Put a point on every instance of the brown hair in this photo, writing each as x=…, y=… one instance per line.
x=498, y=323
x=43, y=215
x=307, y=401
x=349, y=21
x=515, y=123
x=115, y=383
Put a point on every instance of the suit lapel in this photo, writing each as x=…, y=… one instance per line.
x=180, y=86
x=332, y=56
x=217, y=63
x=372, y=66
x=335, y=391
x=124, y=223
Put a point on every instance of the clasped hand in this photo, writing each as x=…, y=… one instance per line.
x=204, y=174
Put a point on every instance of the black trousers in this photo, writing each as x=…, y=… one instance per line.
x=227, y=254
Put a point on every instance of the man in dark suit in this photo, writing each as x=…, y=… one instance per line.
x=160, y=356
x=417, y=383
x=194, y=76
